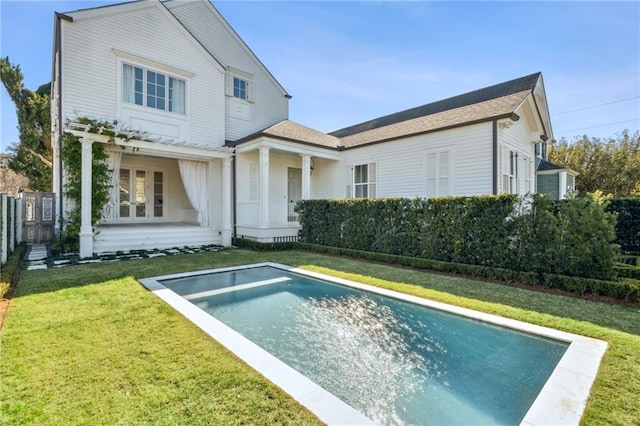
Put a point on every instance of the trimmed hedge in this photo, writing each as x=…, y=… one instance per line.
x=569, y=237
x=622, y=290
x=627, y=211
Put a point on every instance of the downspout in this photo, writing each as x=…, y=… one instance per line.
x=233, y=209
x=495, y=157
x=58, y=48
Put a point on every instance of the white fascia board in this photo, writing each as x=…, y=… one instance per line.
x=112, y=9
x=290, y=147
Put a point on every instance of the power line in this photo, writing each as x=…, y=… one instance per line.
x=599, y=125
x=596, y=106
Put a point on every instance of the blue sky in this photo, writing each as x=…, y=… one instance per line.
x=348, y=62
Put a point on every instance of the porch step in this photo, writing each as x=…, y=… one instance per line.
x=148, y=237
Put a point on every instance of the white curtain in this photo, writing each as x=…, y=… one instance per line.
x=113, y=163
x=194, y=179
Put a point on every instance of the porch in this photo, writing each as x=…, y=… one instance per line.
x=148, y=236
x=163, y=194
x=275, y=169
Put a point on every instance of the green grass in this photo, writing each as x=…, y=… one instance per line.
x=87, y=344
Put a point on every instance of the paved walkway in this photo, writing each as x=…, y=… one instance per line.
x=38, y=256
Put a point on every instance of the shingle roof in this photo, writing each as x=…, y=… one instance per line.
x=478, y=112
x=543, y=165
x=521, y=84
x=497, y=101
x=292, y=131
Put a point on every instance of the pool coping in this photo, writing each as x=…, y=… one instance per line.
x=562, y=399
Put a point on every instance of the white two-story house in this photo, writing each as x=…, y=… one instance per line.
x=219, y=156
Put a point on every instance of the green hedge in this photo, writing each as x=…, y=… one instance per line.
x=11, y=269
x=570, y=237
x=627, y=211
x=622, y=290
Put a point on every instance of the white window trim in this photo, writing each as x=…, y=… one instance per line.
x=510, y=178
x=144, y=106
x=148, y=63
x=438, y=151
x=372, y=185
x=242, y=75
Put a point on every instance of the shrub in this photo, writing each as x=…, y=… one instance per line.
x=569, y=237
x=11, y=269
x=627, y=211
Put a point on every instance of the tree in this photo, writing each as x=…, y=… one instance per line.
x=32, y=155
x=611, y=166
x=11, y=182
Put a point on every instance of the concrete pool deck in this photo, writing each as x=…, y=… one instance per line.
x=561, y=401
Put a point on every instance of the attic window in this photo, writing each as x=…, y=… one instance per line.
x=239, y=85
x=240, y=88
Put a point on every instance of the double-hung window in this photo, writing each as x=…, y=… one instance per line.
x=509, y=171
x=240, y=88
x=364, y=181
x=152, y=89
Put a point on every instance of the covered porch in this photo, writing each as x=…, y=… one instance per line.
x=163, y=194
x=274, y=170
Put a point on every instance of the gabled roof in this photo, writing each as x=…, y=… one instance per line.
x=291, y=131
x=522, y=84
x=490, y=103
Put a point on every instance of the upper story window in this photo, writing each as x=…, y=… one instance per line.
x=541, y=150
x=152, y=89
x=364, y=181
x=240, y=88
x=239, y=85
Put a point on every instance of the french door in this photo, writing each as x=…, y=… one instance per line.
x=294, y=192
x=141, y=193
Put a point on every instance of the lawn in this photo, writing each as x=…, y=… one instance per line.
x=89, y=345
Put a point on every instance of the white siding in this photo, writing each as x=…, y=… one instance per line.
x=269, y=105
x=91, y=72
x=401, y=164
x=516, y=138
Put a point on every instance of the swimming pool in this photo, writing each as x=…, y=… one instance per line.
x=396, y=359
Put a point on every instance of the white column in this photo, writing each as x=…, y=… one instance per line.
x=306, y=176
x=264, y=186
x=86, y=229
x=562, y=191
x=226, y=201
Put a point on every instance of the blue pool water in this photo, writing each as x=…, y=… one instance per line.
x=396, y=362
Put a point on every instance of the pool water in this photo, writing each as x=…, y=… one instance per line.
x=396, y=362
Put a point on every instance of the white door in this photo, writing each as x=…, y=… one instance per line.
x=294, y=193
